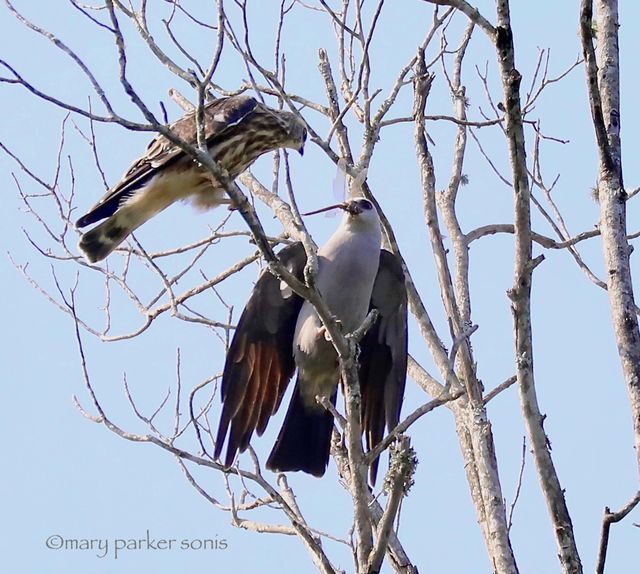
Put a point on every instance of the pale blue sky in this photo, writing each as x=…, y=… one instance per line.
x=67, y=476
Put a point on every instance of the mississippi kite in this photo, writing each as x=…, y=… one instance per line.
x=238, y=130
x=279, y=332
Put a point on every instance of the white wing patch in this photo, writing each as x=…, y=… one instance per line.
x=285, y=290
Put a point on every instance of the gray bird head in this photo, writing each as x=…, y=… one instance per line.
x=356, y=209
x=360, y=213
x=295, y=129
x=357, y=206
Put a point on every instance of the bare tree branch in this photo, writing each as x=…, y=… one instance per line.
x=608, y=519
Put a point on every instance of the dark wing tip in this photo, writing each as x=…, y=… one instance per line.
x=84, y=221
x=99, y=211
x=383, y=366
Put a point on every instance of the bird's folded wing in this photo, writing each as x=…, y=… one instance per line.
x=260, y=360
x=220, y=115
x=383, y=355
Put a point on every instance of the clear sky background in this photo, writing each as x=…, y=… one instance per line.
x=66, y=476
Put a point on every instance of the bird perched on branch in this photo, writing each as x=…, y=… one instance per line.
x=279, y=332
x=237, y=130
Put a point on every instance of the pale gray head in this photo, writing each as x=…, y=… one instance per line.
x=358, y=211
x=361, y=213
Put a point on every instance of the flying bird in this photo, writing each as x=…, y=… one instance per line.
x=279, y=332
x=238, y=130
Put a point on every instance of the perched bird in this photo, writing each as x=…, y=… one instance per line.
x=238, y=130
x=279, y=332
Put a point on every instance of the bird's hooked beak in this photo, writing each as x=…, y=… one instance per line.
x=304, y=140
x=352, y=207
x=349, y=206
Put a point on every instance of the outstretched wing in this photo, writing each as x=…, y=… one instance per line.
x=220, y=115
x=260, y=360
x=383, y=355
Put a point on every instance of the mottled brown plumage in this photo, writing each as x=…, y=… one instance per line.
x=237, y=131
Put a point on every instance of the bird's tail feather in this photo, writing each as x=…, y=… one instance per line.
x=100, y=241
x=304, y=441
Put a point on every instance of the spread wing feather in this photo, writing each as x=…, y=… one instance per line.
x=260, y=361
x=260, y=364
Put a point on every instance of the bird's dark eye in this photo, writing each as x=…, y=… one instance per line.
x=304, y=134
x=365, y=204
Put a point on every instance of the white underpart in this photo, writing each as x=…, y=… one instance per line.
x=166, y=188
x=347, y=267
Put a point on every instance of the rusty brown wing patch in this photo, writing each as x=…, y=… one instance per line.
x=260, y=361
